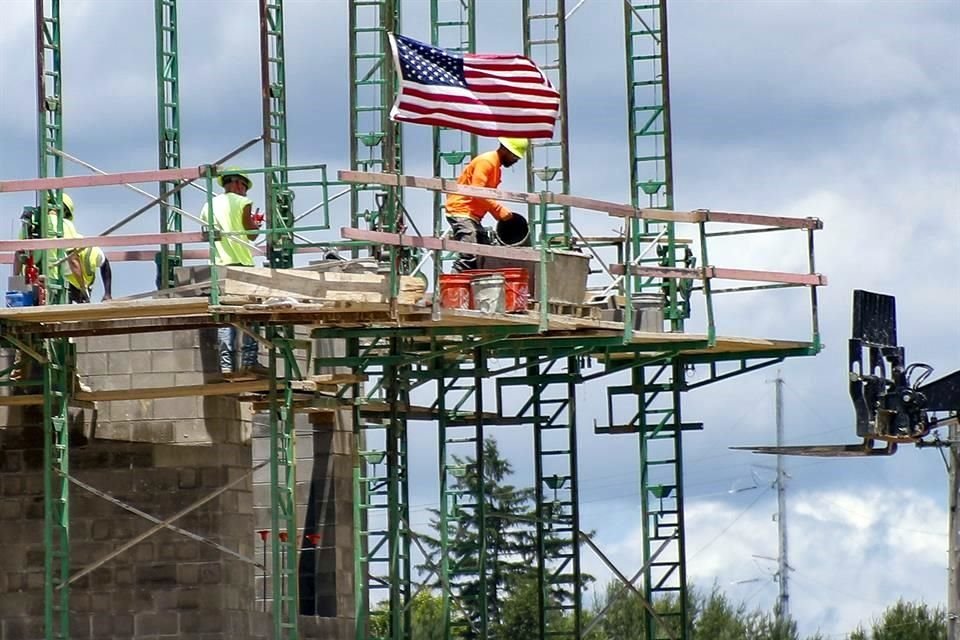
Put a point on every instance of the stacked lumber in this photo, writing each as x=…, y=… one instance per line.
x=302, y=285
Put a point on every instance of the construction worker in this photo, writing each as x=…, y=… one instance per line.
x=23, y=367
x=83, y=273
x=83, y=263
x=465, y=213
x=233, y=214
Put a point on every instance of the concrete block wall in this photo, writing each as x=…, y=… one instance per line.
x=165, y=586
x=160, y=456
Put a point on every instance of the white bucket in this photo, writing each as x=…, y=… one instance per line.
x=648, y=312
x=488, y=293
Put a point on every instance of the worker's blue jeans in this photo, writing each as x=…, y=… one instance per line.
x=227, y=338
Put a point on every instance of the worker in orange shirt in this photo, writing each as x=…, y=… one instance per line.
x=465, y=213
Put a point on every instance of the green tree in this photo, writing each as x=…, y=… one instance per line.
x=906, y=621
x=719, y=619
x=508, y=538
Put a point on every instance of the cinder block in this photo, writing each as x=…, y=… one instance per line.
x=189, y=378
x=92, y=364
x=120, y=362
x=186, y=339
x=151, y=341
x=175, y=361
x=157, y=624
x=108, y=344
x=131, y=410
x=154, y=380
x=178, y=408
x=152, y=431
x=111, y=382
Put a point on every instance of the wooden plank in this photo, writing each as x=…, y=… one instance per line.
x=431, y=242
x=626, y=210
x=722, y=273
x=437, y=184
x=113, y=310
x=130, y=177
x=807, y=279
x=34, y=399
x=780, y=222
x=183, y=391
x=103, y=241
x=128, y=256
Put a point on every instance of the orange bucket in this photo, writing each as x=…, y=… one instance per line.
x=455, y=291
x=517, y=289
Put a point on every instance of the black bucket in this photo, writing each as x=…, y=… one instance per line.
x=512, y=232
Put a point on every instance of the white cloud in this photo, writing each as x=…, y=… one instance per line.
x=852, y=554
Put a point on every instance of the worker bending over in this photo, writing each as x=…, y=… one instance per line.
x=465, y=213
x=233, y=214
x=84, y=263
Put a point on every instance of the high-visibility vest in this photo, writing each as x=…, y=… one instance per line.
x=90, y=259
x=228, y=216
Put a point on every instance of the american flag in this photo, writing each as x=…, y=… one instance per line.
x=489, y=95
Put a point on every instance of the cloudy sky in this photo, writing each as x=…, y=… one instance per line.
x=842, y=110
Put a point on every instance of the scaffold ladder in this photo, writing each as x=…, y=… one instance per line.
x=548, y=161
x=453, y=28
x=57, y=371
x=462, y=506
x=168, y=132
x=375, y=141
x=381, y=494
x=551, y=410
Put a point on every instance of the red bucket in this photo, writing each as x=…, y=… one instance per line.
x=455, y=291
x=517, y=289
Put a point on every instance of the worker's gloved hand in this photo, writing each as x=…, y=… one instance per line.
x=106, y=297
x=258, y=217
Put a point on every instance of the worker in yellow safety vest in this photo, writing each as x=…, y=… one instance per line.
x=84, y=264
x=234, y=218
x=465, y=213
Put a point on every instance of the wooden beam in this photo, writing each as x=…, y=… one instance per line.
x=721, y=273
x=431, y=242
x=113, y=310
x=183, y=391
x=103, y=241
x=71, y=182
x=437, y=184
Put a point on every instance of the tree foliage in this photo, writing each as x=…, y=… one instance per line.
x=906, y=621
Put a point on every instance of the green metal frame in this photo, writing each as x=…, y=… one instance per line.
x=460, y=385
x=551, y=411
x=57, y=378
x=168, y=131
x=658, y=400
x=375, y=141
x=381, y=494
x=453, y=28
x=548, y=161
x=285, y=539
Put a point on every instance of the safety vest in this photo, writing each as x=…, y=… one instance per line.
x=69, y=231
x=228, y=216
x=90, y=259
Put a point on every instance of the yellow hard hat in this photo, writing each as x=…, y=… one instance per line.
x=234, y=171
x=67, y=203
x=516, y=146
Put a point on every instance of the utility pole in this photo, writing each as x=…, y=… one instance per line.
x=783, y=567
x=953, y=567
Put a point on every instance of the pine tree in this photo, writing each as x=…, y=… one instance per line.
x=509, y=538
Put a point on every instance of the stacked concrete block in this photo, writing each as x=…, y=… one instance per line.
x=167, y=585
x=160, y=456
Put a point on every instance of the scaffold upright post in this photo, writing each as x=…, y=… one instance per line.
x=168, y=132
x=57, y=377
x=283, y=365
x=548, y=161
